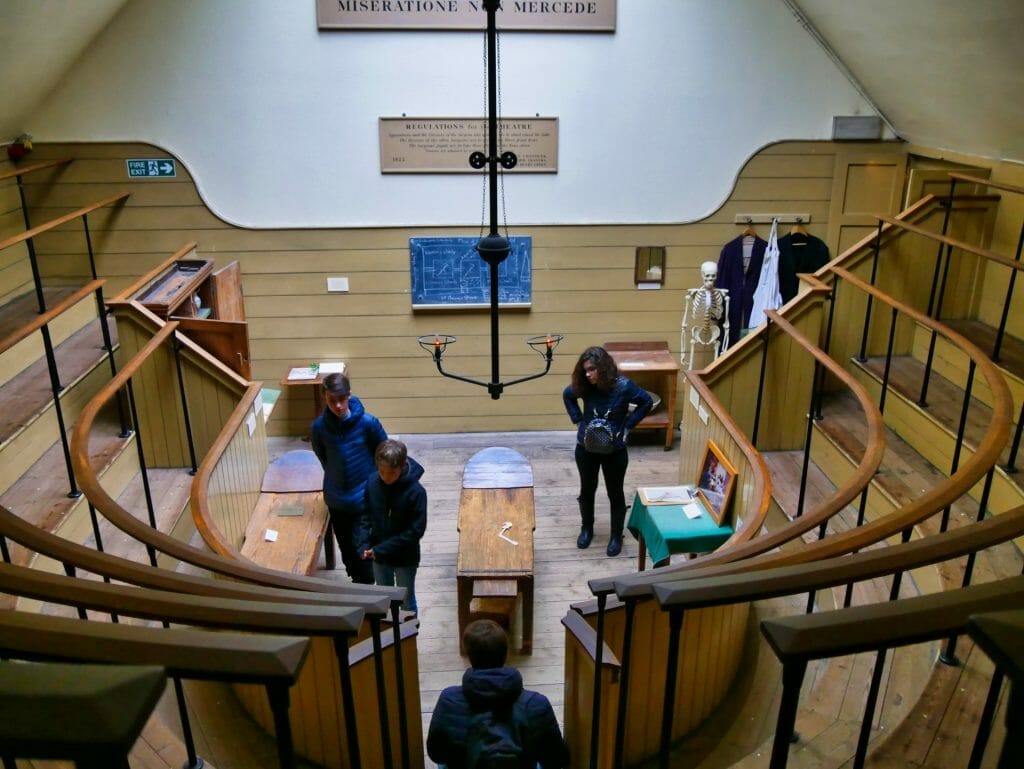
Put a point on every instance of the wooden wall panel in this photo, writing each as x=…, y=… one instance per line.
x=582, y=283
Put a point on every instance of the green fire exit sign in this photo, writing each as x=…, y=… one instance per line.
x=151, y=167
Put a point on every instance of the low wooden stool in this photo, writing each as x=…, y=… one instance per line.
x=494, y=599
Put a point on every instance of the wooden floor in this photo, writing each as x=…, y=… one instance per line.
x=562, y=570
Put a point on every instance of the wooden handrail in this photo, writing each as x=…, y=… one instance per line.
x=199, y=499
x=992, y=256
x=34, y=167
x=583, y=632
x=703, y=591
x=121, y=518
x=930, y=502
x=41, y=320
x=639, y=584
x=194, y=654
x=182, y=608
x=46, y=226
x=885, y=625
x=127, y=293
x=123, y=570
x=987, y=182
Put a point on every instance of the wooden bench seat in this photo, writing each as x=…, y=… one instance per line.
x=291, y=505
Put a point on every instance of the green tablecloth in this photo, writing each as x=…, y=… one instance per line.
x=666, y=529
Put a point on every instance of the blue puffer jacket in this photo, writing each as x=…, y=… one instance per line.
x=395, y=518
x=596, y=403
x=345, y=448
x=493, y=689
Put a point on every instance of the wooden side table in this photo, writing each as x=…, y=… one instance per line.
x=316, y=383
x=666, y=529
x=655, y=359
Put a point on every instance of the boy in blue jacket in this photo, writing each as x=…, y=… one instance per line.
x=395, y=519
x=344, y=438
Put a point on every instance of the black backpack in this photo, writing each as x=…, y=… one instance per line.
x=493, y=741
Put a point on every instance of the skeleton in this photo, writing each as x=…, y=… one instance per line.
x=705, y=318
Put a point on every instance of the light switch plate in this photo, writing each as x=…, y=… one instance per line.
x=337, y=285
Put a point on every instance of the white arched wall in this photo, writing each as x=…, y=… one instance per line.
x=277, y=122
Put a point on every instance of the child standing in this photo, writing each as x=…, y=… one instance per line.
x=395, y=519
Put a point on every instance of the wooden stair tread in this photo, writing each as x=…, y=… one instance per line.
x=29, y=393
x=24, y=308
x=1011, y=349
x=945, y=398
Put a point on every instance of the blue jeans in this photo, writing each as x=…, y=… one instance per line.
x=401, y=576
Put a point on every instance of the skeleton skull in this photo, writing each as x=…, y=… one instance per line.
x=709, y=272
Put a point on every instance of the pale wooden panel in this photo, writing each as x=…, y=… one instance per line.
x=316, y=712
x=864, y=184
x=234, y=486
x=582, y=274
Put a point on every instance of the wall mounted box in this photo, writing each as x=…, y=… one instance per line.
x=856, y=127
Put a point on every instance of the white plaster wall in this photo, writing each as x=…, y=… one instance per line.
x=277, y=122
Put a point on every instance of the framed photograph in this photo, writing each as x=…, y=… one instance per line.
x=715, y=482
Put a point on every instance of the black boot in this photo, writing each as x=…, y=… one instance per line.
x=614, y=545
x=587, y=526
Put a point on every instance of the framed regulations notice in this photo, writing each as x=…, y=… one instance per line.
x=442, y=145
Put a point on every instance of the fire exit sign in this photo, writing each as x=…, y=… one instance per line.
x=151, y=167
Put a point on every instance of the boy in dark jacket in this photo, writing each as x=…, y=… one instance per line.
x=395, y=519
x=344, y=438
x=490, y=687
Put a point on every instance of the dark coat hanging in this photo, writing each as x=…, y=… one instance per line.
x=741, y=285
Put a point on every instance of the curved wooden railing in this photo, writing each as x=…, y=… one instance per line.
x=635, y=617
x=318, y=686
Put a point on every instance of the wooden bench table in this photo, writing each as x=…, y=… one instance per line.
x=497, y=487
x=292, y=504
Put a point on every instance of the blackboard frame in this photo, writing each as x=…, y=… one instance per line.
x=448, y=273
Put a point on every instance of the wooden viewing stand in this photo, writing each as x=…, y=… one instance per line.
x=651, y=358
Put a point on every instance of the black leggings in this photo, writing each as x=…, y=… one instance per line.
x=613, y=466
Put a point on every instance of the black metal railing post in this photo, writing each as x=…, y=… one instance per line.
x=1011, y=464
x=141, y=453
x=88, y=245
x=627, y=650
x=863, y=356
x=828, y=340
x=403, y=720
x=595, y=742
x=887, y=370
x=675, y=625
x=382, y=701
x=765, y=336
x=806, y=466
x=860, y=755
x=793, y=672
x=56, y=387
x=108, y=346
x=961, y=429
x=348, y=702
x=176, y=346
x=988, y=713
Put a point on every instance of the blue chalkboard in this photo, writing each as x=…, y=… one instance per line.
x=448, y=272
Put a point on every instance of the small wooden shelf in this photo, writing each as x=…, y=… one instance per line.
x=651, y=360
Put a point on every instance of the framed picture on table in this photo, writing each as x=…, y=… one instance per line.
x=715, y=482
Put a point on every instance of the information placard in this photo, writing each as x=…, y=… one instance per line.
x=432, y=145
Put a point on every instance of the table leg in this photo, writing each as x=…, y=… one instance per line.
x=641, y=553
x=464, y=588
x=526, y=586
x=673, y=382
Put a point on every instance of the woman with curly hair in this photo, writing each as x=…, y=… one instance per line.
x=605, y=394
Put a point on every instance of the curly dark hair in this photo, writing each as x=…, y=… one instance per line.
x=607, y=372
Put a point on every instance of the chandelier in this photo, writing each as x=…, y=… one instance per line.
x=493, y=248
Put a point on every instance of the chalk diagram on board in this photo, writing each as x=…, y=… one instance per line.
x=448, y=272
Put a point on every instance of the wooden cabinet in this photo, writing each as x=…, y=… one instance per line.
x=208, y=306
x=652, y=366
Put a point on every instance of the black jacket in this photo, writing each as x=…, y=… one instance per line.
x=491, y=689
x=395, y=517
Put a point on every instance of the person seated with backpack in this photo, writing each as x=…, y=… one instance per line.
x=491, y=721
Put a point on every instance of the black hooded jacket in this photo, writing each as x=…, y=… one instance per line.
x=395, y=517
x=495, y=689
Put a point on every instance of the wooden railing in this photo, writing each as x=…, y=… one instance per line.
x=396, y=729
